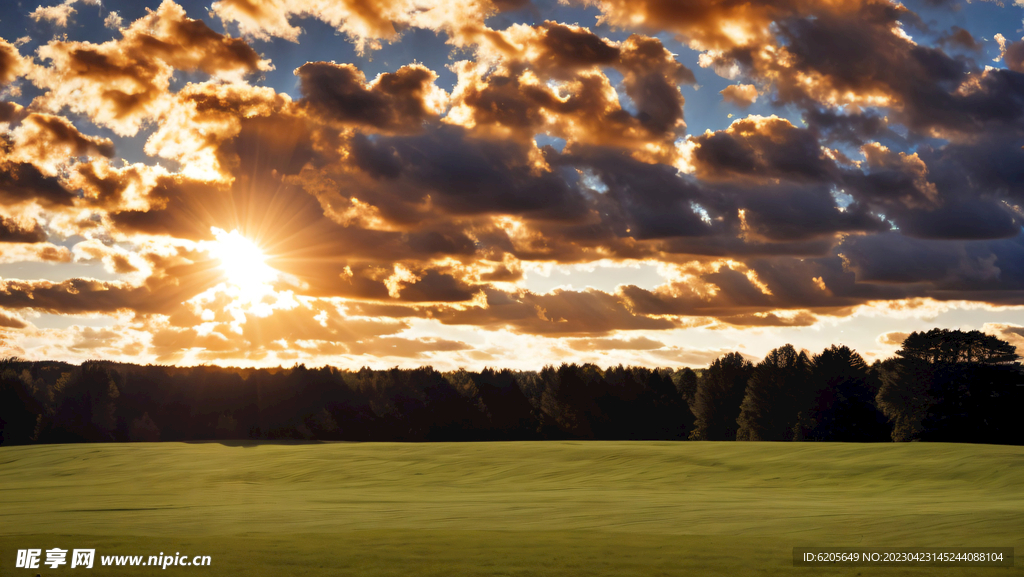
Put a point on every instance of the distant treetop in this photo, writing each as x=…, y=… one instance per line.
x=956, y=346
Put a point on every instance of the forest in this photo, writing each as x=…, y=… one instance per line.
x=942, y=385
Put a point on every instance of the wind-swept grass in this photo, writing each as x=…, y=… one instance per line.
x=543, y=508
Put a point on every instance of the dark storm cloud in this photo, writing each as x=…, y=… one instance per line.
x=972, y=219
x=644, y=200
x=960, y=267
x=799, y=213
x=991, y=168
x=14, y=231
x=572, y=48
x=853, y=128
x=959, y=37
x=461, y=175
x=438, y=287
x=550, y=79
x=892, y=179
x=761, y=149
x=1014, y=56
x=961, y=191
x=21, y=182
x=650, y=77
x=930, y=91
x=394, y=102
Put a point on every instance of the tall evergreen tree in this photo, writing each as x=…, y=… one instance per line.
x=82, y=406
x=570, y=397
x=686, y=382
x=716, y=404
x=947, y=385
x=19, y=410
x=775, y=395
x=842, y=406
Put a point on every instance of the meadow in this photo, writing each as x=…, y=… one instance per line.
x=507, y=509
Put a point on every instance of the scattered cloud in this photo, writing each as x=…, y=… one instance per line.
x=464, y=145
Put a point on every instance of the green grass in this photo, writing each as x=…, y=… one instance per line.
x=516, y=509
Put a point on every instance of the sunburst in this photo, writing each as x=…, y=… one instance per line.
x=243, y=261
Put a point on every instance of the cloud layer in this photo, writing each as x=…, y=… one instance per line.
x=877, y=159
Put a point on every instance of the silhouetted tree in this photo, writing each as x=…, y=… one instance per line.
x=144, y=429
x=509, y=412
x=952, y=385
x=776, y=392
x=946, y=347
x=686, y=383
x=944, y=385
x=843, y=394
x=19, y=410
x=570, y=398
x=720, y=391
x=81, y=406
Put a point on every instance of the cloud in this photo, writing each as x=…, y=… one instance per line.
x=960, y=38
x=11, y=321
x=948, y=266
x=113, y=21
x=22, y=182
x=315, y=327
x=634, y=344
x=1011, y=53
x=399, y=347
x=34, y=252
x=742, y=95
x=761, y=148
x=122, y=84
x=176, y=276
x=549, y=79
x=689, y=356
x=395, y=102
x=14, y=231
x=12, y=64
x=560, y=312
x=1011, y=333
x=887, y=169
x=365, y=22
x=895, y=338
x=201, y=121
x=853, y=53
x=57, y=15
x=46, y=141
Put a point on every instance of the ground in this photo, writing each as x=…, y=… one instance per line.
x=516, y=509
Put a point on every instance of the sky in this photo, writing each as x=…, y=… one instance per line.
x=506, y=183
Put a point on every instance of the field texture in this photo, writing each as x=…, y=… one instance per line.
x=506, y=509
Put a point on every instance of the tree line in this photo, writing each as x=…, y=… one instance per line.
x=942, y=385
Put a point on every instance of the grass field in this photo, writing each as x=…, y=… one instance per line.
x=507, y=509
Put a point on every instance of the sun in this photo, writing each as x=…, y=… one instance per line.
x=243, y=262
